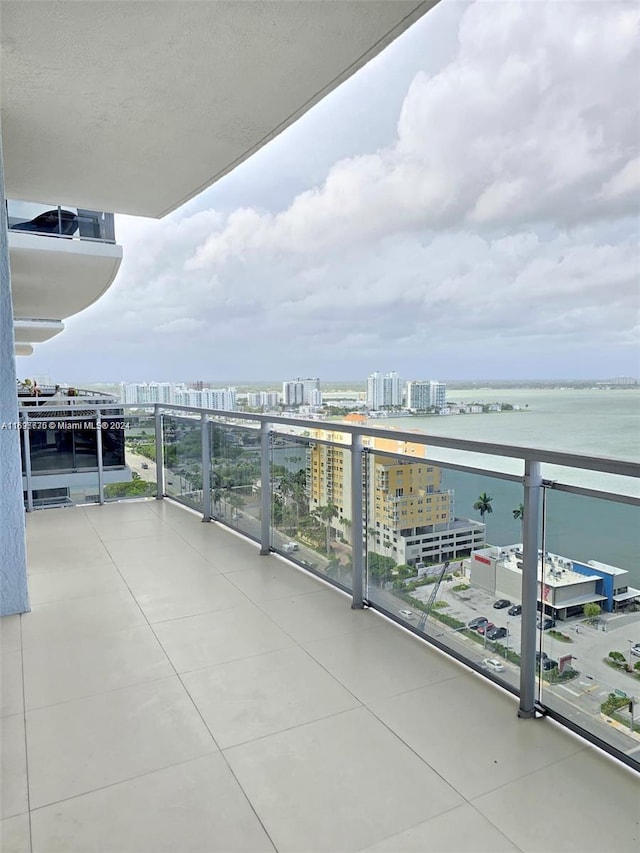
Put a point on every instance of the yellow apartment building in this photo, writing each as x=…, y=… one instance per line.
x=410, y=517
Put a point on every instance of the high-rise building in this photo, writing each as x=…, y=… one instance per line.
x=297, y=392
x=438, y=394
x=418, y=395
x=384, y=390
x=265, y=399
x=411, y=517
x=426, y=394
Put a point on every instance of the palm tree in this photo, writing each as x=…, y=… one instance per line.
x=518, y=515
x=483, y=504
x=326, y=514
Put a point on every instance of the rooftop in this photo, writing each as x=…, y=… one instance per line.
x=172, y=690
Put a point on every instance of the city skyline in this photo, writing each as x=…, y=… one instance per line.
x=468, y=200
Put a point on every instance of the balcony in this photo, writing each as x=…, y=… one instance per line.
x=174, y=690
x=62, y=260
x=174, y=660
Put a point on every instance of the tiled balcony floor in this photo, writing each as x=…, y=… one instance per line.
x=172, y=690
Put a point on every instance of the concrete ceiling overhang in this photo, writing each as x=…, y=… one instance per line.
x=136, y=107
x=23, y=349
x=53, y=278
x=35, y=332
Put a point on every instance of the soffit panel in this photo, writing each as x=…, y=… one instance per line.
x=35, y=332
x=136, y=107
x=52, y=279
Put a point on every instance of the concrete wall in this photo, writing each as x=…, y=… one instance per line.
x=14, y=597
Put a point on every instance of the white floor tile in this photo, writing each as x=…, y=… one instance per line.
x=461, y=829
x=338, y=784
x=257, y=696
x=14, y=834
x=11, y=692
x=468, y=717
x=78, y=746
x=13, y=767
x=381, y=662
x=187, y=593
x=601, y=797
x=63, y=671
x=200, y=641
x=195, y=807
x=317, y=615
x=272, y=578
x=77, y=618
x=62, y=585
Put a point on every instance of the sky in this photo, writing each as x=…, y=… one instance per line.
x=465, y=207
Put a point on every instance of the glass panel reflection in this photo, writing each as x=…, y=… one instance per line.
x=311, y=504
x=590, y=615
x=430, y=564
x=182, y=446
x=235, y=476
x=132, y=438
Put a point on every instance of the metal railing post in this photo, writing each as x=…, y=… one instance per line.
x=265, y=488
x=357, y=531
x=99, y=453
x=530, y=526
x=159, y=455
x=206, y=468
x=26, y=444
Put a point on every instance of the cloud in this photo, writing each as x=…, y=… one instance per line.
x=499, y=219
x=514, y=130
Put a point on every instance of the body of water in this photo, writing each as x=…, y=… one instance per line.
x=595, y=423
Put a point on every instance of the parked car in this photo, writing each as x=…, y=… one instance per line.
x=541, y=656
x=496, y=633
x=144, y=466
x=484, y=629
x=477, y=622
x=515, y=610
x=406, y=614
x=290, y=546
x=501, y=603
x=635, y=650
x=493, y=665
x=548, y=664
x=545, y=624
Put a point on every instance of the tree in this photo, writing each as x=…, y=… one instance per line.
x=592, y=610
x=379, y=567
x=483, y=505
x=326, y=514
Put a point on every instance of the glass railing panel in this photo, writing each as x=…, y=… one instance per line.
x=311, y=505
x=444, y=558
x=60, y=221
x=182, y=451
x=235, y=476
x=589, y=579
x=128, y=453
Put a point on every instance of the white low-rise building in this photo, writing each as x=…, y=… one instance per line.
x=564, y=585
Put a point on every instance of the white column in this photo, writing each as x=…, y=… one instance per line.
x=14, y=596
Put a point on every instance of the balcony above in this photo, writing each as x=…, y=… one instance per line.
x=173, y=690
x=137, y=107
x=62, y=261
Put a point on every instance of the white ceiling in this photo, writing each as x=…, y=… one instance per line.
x=135, y=107
x=53, y=278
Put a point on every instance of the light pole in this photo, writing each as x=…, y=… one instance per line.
x=630, y=647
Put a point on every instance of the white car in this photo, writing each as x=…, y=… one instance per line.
x=635, y=650
x=493, y=665
x=406, y=614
